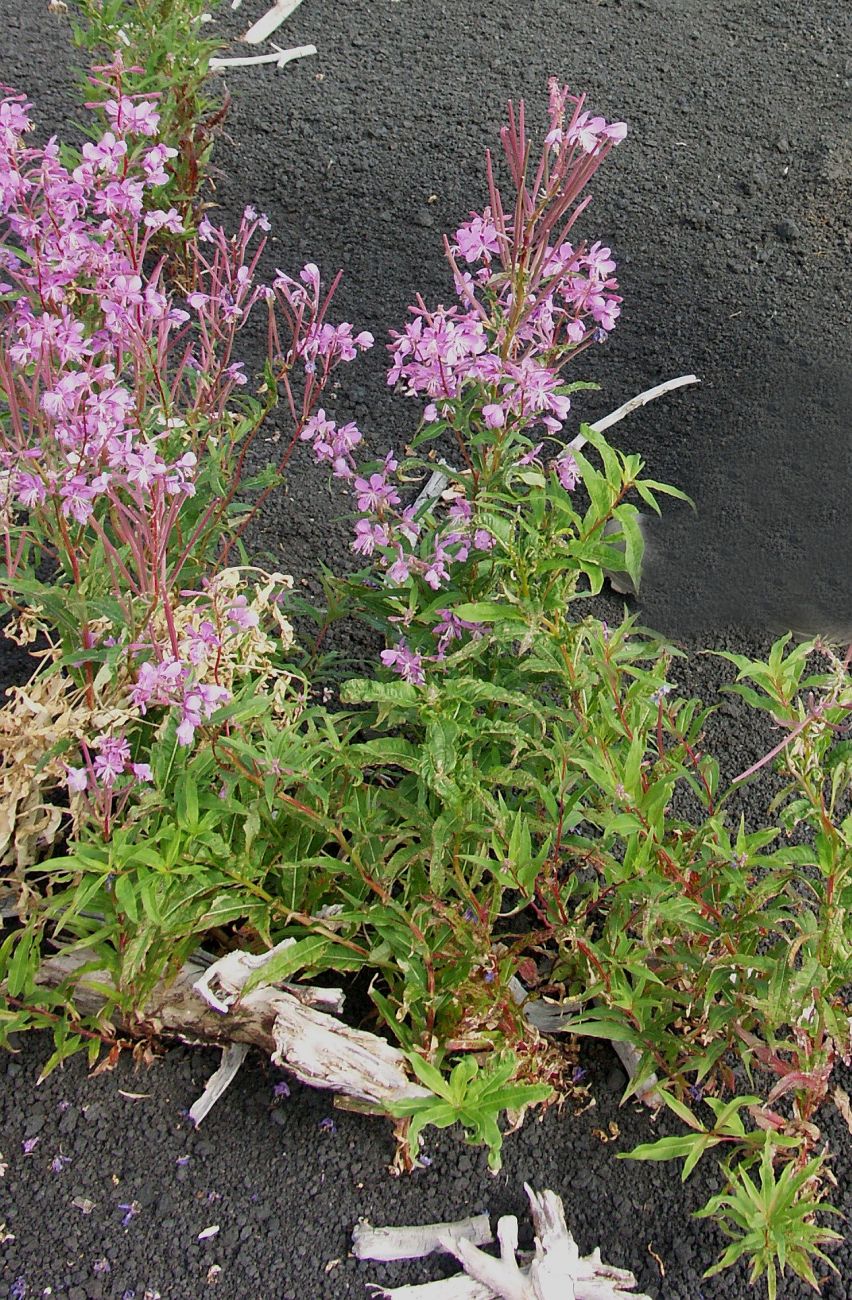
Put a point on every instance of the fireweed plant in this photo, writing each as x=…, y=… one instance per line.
x=489, y=817
x=123, y=444
x=167, y=58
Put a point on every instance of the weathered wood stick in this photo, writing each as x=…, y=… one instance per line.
x=460, y=1287
x=642, y=399
x=220, y=1080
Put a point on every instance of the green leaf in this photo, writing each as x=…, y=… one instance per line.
x=124, y=888
x=489, y=611
x=361, y=690
x=667, y=1148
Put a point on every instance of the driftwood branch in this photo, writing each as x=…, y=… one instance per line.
x=206, y=1004
x=554, y=1271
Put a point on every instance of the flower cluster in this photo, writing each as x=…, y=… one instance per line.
x=111, y=761
x=170, y=683
x=79, y=309
x=490, y=365
x=532, y=302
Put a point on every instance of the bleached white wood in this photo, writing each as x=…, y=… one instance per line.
x=270, y=21
x=416, y=1242
x=642, y=399
x=232, y=1058
x=280, y=58
x=555, y=1271
x=460, y=1287
x=325, y=1053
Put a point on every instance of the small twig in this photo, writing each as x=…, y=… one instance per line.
x=280, y=58
x=813, y=716
x=642, y=399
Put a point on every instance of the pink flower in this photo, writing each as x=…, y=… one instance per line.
x=494, y=416
x=153, y=163
x=113, y=756
x=131, y=118
x=616, y=131
x=531, y=457
x=77, y=779
x=310, y=276
x=105, y=156
x=477, y=238
x=199, y=704
x=400, y=570
x=242, y=618
x=567, y=471
x=461, y=510
x=14, y=120
x=407, y=663
x=452, y=628
x=157, y=683
x=199, y=642
x=30, y=490
x=375, y=493
x=368, y=536
x=607, y=311
x=436, y=570
x=77, y=496
x=483, y=540
x=165, y=221
x=600, y=260
x=586, y=132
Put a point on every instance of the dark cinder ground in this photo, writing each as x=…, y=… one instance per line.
x=729, y=210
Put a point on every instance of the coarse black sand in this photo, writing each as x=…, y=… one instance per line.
x=729, y=210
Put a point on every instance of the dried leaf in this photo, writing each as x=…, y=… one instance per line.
x=36, y=719
x=660, y=1265
x=841, y=1101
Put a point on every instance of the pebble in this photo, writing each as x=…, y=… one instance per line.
x=787, y=229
